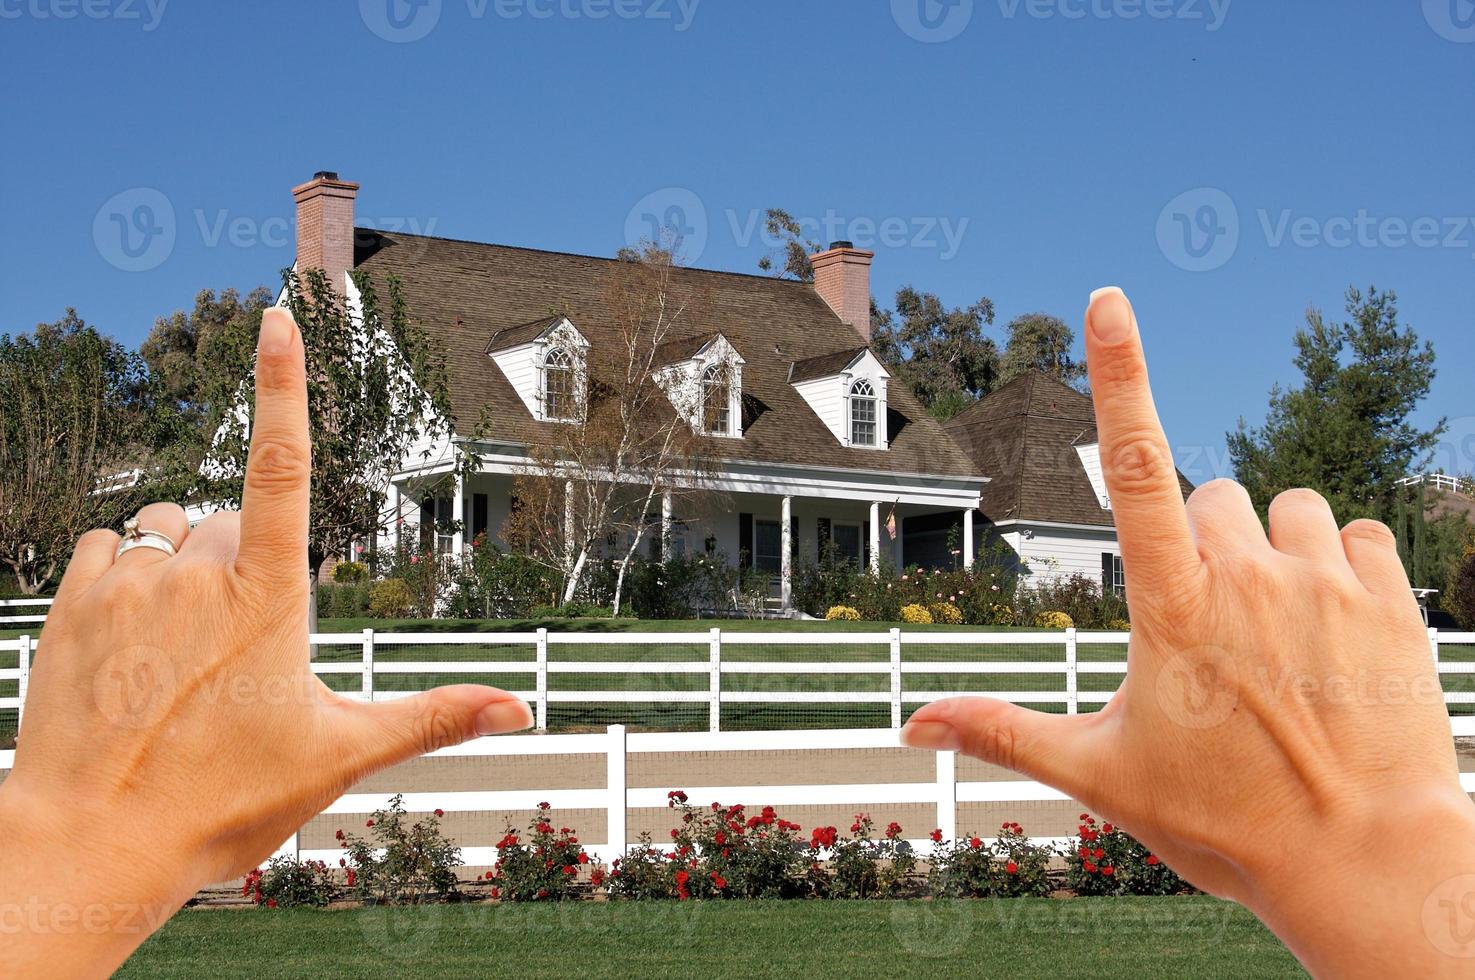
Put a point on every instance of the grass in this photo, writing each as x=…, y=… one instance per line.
x=1136, y=938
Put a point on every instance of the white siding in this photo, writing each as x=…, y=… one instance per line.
x=826, y=398
x=520, y=365
x=1091, y=462
x=1057, y=553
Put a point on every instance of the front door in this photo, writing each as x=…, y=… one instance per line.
x=767, y=546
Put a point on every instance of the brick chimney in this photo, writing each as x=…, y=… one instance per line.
x=325, y=226
x=842, y=277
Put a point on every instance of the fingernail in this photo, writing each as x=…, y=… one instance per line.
x=934, y=735
x=503, y=716
x=276, y=330
x=1110, y=322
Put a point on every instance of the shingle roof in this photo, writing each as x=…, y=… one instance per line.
x=1024, y=437
x=683, y=349
x=465, y=293
x=522, y=333
x=824, y=365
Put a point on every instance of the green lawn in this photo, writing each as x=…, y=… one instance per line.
x=1114, y=937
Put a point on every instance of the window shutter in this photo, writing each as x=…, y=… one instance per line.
x=1106, y=570
x=479, y=504
x=745, y=540
x=865, y=544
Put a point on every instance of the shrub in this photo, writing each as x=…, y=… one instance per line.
x=348, y=572
x=1460, y=600
x=1053, y=620
x=390, y=599
x=1078, y=596
x=402, y=862
x=1010, y=867
x=945, y=612
x=915, y=613
x=643, y=873
x=1105, y=860
x=842, y=613
x=493, y=584
x=288, y=882
x=861, y=866
x=1119, y=625
x=545, y=867
x=343, y=601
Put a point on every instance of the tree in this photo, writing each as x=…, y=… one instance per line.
x=1460, y=599
x=596, y=486
x=1346, y=431
x=377, y=398
x=185, y=349
x=794, y=250
x=943, y=354
x=1040, y=342
x=78, y=427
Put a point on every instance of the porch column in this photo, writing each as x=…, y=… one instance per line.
x=875, y=537
x=396, y=514
x=458, y=514
x=786, y=553
x=666, y=526
x=968, y=550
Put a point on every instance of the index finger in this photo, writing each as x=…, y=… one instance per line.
x=1141, y=480
x=274, y=503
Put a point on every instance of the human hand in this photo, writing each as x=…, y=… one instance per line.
x=1281, y=732
x=175, y=734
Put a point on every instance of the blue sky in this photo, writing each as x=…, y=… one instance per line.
x=1027, y=150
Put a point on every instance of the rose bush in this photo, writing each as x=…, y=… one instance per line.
x=400, y=861
x=544, y=867
x=1105, y=860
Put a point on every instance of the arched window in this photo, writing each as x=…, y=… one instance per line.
x=559, y=401
x=716, y=401
x=862, y=414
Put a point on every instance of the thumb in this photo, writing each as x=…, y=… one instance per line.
x=390, y=732
x=1058, y=750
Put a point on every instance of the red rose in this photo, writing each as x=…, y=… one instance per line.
x=1108, y=870
x=1106, y=828
x=682, y=877
x=271, y=903
x=1012, y=868
x=568, y=869
x=339, y=835
x=975, y=843
x=1100, y=853
x=583, y=858
x=936, y=836
x=369, y=824
x=439, y=812
x=1152, y=860
x=1090, y=868
x=489, y=876
x=352, y=878
x=496, y=893
x=718, y=881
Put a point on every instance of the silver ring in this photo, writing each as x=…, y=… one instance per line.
x=137, y=537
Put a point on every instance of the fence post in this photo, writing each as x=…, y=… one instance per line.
x=1072, y=687
x=895, y=677
x=368, y=646
x=714, y=682
x=542, y=683
x=23, y=660
x=947, y=794
x=1434, y=644
x=615, y=788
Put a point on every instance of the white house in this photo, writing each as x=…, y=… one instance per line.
x=814, y=442
x=1046, y=499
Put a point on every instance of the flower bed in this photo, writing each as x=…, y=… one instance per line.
x=717, y=852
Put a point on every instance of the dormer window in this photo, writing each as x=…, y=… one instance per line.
x=716, y=401
x=560, y=386
x=863, y=414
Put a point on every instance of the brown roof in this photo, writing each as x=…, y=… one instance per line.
x=466, y=293
x=1024, y=437
x=522, y=333
x=824, y=365
x=683, y=349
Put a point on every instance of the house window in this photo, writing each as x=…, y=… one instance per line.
x=560, y=401
x=436, y=524
x=847, y=541
x=767, y=546
x=1113, y=575
x=862, y=414
x=716, y=401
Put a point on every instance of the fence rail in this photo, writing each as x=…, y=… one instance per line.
x=724, y=669
x=24, y=619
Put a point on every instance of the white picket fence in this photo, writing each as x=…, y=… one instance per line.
x=538, y=666
x=26, y=618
